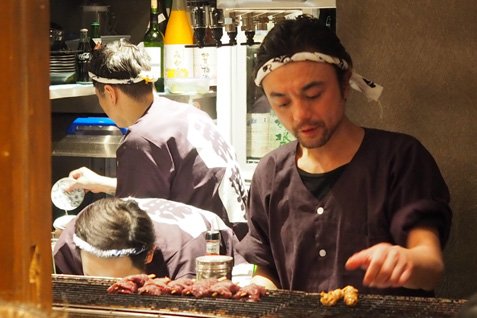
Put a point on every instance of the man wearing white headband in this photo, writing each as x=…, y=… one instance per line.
x=116, y=237
x=171, y=150
x=343, y=204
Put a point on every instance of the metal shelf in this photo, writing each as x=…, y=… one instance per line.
x=71, y=90
x=79, y=98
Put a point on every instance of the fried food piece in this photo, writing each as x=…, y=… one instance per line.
x=331, y=298
x=350, y=295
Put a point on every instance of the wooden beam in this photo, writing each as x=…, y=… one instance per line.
x=25, y=153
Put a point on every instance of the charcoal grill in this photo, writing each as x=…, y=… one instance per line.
x=87, y=297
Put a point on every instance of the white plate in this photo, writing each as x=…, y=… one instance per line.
x=61, y=222
x=66, y=200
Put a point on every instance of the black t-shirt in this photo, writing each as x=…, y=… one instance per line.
x=320, y=183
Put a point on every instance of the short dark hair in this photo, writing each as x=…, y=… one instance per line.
x=114, y=223
x=121, y=60
x=305, y=33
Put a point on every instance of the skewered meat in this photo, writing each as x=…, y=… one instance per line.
x=156, y=286
x=123, y=287
x=250, y=292
x=210, y=287
x=129, y=284
x=202, y=287
x=331, y=298
x=181, y=286
x=350, y=295
x=224, y=289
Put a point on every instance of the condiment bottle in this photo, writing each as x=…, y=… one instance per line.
x=178, y=58
x=212, y=242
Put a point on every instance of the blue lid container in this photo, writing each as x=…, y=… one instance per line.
x=92, y=122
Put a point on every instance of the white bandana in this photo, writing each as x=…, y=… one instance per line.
x=147, y=76
x=85, y=246
x=357, y=82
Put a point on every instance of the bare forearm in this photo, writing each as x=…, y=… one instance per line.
x=428, y=261
x=108, y=185
x=263, y=278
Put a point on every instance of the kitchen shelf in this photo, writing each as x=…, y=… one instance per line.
x=81, y=98
x=71, y=90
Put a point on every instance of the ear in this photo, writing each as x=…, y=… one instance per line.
x=150, y=255
x=345, y=88
x=111, y=93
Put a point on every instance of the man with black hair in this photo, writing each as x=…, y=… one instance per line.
x=343, y=204
x=171, y=150
x=115, y=237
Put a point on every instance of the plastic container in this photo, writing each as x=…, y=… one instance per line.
x=213, y=266
x=187, y=85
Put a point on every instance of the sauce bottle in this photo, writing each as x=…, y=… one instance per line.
x=212, y=242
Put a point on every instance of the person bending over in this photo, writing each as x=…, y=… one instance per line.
x=115, y=237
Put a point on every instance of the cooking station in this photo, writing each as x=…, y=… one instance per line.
x=83, y=296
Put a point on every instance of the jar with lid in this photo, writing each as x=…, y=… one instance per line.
x=213, y=266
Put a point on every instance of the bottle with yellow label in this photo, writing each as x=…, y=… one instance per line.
x=179, y=59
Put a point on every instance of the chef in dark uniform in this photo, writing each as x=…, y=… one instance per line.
x=171, y=150
x=116, y=237
x=343, y=204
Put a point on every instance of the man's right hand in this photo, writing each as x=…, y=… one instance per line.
x=91, y=181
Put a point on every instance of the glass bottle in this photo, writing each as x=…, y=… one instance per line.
x=212, y=242
x=95, y=35
x=83, y=57
x=179, y=58
x=154, y=44
x=163, y=16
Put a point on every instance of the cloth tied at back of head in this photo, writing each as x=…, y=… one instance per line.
x=370, y=89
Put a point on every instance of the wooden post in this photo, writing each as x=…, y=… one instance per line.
x=25, y=153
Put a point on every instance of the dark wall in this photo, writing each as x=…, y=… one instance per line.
x=424, y=54
x=127, y=17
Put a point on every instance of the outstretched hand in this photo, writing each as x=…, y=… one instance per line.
x=88, y=180
x=385, y=265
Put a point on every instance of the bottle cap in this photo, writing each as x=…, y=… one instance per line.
x=212, y=235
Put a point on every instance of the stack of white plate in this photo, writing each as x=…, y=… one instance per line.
x=62, y=67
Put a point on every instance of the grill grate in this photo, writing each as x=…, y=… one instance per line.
x=372, y=306
x=91, y=293
x=83, y=295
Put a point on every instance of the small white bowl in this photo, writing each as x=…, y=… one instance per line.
x=61, y=222
x=64, y=200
